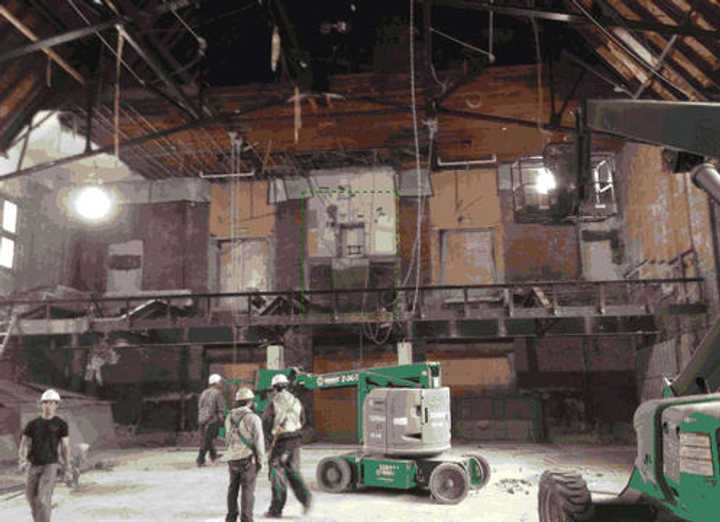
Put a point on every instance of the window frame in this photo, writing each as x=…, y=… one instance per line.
x=12, y=236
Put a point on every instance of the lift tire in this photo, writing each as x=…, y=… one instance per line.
x=564, y=497
x=449, y=483
x=484, y=468
x=334, y=474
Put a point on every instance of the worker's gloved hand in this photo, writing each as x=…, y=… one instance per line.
x=259, y=466
x=23, y=466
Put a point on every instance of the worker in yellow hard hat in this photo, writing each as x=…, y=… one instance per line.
x=245, y=453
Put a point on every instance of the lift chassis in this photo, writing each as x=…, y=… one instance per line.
x=403, y=422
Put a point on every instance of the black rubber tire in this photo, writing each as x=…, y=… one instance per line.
x=484, y=467
x=449, y=483
x=333, y=474
x=564, y=497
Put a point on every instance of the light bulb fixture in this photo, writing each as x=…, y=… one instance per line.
x=93, y=203
x=545, y=181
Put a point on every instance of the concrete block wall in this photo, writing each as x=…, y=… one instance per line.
x=498, y=417
x=584, y=383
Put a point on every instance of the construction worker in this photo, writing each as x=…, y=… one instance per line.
x=211, y=415
x=39, y=455
x=245, y=453
x=284, y=418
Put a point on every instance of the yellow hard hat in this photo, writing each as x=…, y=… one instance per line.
x=244, y=394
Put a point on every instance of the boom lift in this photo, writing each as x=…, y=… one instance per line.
x=403, y=419
x=677, y=467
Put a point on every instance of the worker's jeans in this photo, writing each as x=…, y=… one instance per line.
x=207, y=445
x=242, y=473
x=39, y=489
x=284, y=470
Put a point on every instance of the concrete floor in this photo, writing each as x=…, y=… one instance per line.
x=164, y=484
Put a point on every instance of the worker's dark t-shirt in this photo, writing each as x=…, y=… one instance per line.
x=45, y=435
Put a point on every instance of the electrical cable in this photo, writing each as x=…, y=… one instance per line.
x=464, y=44
x=416, y=141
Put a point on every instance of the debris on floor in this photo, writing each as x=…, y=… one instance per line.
x=515, y=486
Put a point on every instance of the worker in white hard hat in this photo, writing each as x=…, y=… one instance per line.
x=43, y=446
x=245, y=454
x=211, y=415
x=284, y=419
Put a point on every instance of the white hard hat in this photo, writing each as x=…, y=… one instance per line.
x=244, y=394
x=215, y=378
x=279, y=379
x=50, y=395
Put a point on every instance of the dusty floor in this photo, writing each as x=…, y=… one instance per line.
x=164, y=484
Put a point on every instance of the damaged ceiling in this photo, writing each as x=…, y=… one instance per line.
x=186, y=73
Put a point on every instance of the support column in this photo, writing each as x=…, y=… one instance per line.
x=275, y=357
x=405, y=352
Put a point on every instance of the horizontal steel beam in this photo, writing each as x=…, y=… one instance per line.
x=574, y=18
x=202, y=122
x=53, y=41
x=688, y=126
x=29, y=327
x=183, y=98
x=173, y=298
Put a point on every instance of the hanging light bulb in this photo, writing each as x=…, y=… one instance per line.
x=545, y=181
x=92, y=203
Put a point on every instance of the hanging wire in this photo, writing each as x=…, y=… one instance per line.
x=464, y=44
x=118, y=69
x=104, y=41
x=416, y=141
x=491, y=31
x=232, y=246
x=199, y=38
x=539, y=65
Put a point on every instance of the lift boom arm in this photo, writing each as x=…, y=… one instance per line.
x=420, y=375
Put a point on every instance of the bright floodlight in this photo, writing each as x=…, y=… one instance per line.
x=93, y=203
x=545, y=181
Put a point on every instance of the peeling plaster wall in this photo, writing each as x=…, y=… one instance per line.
x=44, y=240
x=352, y=196
x=289, y=270
x=663, y=215
x=537, y=251
x=255, y=217
x=602, y=250
x=174, y=237
x=465, y=200
x=407, y=227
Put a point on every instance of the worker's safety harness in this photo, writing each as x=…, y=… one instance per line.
x=243, y=439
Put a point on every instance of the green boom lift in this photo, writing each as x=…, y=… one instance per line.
x=677, y=468
x=403, y=419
